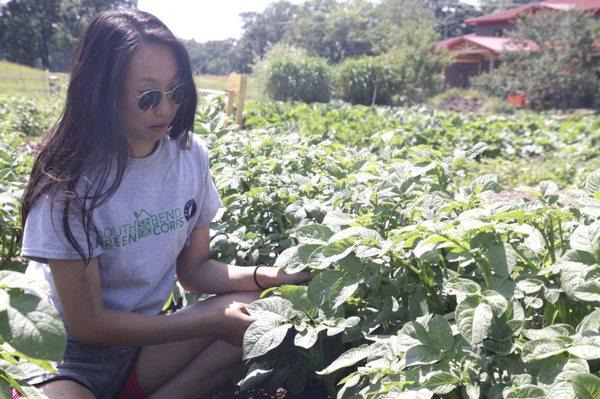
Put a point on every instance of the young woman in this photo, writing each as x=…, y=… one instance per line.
x=117, y=206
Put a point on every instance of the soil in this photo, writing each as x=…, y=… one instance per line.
x=461, y=105
x=311, y=392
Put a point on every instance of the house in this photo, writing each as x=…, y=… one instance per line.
x=479, y=51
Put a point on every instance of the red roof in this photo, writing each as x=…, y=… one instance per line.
x=500, y=16
x=591, y=5
x=492, y=43
x=513, y=13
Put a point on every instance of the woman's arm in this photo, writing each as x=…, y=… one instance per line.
x=79, y=291
x=197, y=273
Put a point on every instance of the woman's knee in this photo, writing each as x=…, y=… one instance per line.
x=66, y=389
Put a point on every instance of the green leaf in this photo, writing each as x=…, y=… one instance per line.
x=33, y=326
x=525, y=392
x=347, y=359
x=416, y=331
x=474, y=320
x=458, y=285
x=264, y=335
x=586, y=346
x=592, y=183
x=14, y=370
x=421, y=354
x=586, y=386
x=560, y=370
x=343, y=289
x=4, y=300
x=256, y=373
x=314, y=234
x=586, y=237
x=547, y=188
x=589, y=291
x=574, y=275
x=503, y=259
x=298, y=296
x=296, y=259
x=330, y=253
x=440, y=333
x=13, y=279
x=320, y=286
x=530, y=285
x=5, y=389
x=543, y=348
x=441, y=383
x=576, y=255
x=272, y=307
x=308, y=337
x=355, y=231
x=498, y=303
x=556, y=330
x=335, y=218
x=591, y=322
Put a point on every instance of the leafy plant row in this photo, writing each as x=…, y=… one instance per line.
x=423, y=285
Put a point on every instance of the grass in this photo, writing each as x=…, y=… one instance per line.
x=219, y=82
x=16, y=79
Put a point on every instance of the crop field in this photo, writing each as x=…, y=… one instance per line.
x=453, y=256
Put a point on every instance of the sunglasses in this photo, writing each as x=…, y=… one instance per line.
x=150, y=99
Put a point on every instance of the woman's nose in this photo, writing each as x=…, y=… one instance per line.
x=165, y=106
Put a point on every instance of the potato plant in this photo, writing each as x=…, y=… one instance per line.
x=461, y=297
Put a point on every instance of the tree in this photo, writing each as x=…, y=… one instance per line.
x=27, y=30
x=450, y=17
x=46, y=30
x=334, y=30
x=562, y=73
x=75, y=17
x=491, y=6
x=215, y=57
x=261, y=30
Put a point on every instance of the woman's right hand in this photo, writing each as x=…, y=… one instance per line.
x=229, y=316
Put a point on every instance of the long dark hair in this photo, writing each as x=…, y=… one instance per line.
x=88, y=131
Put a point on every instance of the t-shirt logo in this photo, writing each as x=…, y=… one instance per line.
x=190, y=209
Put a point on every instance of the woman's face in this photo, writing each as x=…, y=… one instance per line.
x=152, y=67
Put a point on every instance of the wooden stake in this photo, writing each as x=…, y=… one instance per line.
x=241, y=99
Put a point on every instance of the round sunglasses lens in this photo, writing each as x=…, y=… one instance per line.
x=179, y=93
x=149, y=100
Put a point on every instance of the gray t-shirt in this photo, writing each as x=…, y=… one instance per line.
x=139, y=231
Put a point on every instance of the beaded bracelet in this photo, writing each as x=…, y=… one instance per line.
x=256, y=280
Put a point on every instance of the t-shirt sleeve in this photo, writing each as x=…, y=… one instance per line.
x=44, y=237
x=211, y=201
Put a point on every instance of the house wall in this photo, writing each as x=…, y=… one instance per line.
x=460, y=74
x=490, y=29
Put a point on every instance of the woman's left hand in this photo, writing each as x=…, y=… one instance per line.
x=275, y=276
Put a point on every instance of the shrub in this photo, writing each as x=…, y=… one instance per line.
x=367, y=80
x=288, y=73
x=419, y=70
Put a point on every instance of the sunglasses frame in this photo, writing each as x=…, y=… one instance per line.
x=162, y=93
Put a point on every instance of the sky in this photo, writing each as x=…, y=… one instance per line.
x=204, y=20
x=207, y=20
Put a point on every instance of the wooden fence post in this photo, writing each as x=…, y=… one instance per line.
x=241, y=99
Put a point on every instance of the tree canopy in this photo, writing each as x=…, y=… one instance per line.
x=44, y=32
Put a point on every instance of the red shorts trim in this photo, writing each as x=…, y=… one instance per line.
x=131, y=389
